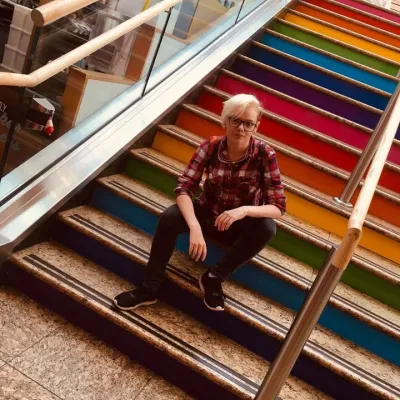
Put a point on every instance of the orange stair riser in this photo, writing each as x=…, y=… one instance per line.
x=368, y=33
x=336, y=8
x=294, y=169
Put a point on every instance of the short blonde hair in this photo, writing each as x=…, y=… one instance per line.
x=236, y=105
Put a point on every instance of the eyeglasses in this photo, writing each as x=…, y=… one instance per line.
x=248, y=126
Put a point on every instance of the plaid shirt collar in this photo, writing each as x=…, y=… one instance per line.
x=223, y=151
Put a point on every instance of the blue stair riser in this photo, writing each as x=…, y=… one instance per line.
x=332, y=64
x=225, y=323
x=260, y=281
x=307, y=94
x=318, y=77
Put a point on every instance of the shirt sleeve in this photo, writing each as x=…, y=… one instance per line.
x=189, y=181
x=273, y=188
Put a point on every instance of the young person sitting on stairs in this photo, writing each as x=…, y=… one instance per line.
x=241, y=197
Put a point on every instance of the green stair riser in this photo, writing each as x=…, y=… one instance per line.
x=337, y=49
x=284, y=242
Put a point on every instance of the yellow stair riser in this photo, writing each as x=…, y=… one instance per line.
x=344, y=37
x=297, y=206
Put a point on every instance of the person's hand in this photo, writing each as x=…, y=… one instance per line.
x=227, y=218
x=197, y=247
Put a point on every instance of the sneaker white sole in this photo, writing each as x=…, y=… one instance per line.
x=146, y=303
x=219, y=309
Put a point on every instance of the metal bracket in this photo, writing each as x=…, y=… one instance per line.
x=343, y=203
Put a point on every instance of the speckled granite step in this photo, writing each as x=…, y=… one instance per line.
x=324, y=348
x=288, y=269
x=219, y=363
x=293, y=240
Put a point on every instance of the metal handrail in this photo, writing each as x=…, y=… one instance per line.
x=366, y=156
x=53, y=11
x=65, y=61
x=333, y=268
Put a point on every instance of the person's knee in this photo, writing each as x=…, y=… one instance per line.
x=265, y=229
x=170, y=218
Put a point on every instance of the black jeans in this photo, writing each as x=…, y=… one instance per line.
x=245, y=238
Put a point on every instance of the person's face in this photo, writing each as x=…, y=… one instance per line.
x=239, y=129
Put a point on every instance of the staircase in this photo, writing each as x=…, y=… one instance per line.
x=324, y=71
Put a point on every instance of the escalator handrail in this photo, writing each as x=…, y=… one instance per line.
x=57, y=9
x=60, y=64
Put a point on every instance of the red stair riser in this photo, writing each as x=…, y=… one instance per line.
x=294, y=169
x=289, y=136
x=207, y=100
x=303, y=142
x=355, y=15
x=314, y=120
x=290, y=167
x=349, y=25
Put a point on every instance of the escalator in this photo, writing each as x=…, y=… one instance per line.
x=325, y=72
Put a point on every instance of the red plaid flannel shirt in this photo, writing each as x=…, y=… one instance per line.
x=229, y=184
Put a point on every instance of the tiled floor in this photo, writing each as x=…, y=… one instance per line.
x=43, y=357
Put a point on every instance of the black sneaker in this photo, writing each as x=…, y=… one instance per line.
x=211, y=287
x=135, y=298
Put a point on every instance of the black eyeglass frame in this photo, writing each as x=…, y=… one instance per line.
x=241, y=122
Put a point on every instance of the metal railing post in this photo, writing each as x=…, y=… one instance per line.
x=153, y=61
x=367, y=155
x=301, y=328
x=240, y=11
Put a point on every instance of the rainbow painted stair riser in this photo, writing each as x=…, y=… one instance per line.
x=303, y=92
x=337, y=48
x=310, y=74
x=306, y=116
x=367, y=31
x=290, y=166
x=295, y=138
x=251, y=276
x=344, y=36
x=355, y=14
x=364, y=6
x=330, y=63
x=285, y=242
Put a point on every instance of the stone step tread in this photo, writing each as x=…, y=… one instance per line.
x=323, y=338
x=382, y=266
x=201, y=342
x=298, y=273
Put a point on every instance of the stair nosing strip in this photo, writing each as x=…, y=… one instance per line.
x=151, y=327
x=323, y=166
x=349, y=46
x=379, y=8
x=346, y=31
x=328, y=72
x=366, y=13
x=310, y=132
x=256, y=315
x=327, y=243
x=311, y=85
x=327, y=53
x=308, y=194
x=281, y=147
x=291, y=99
x=330, y=244
x=346, y=18
x=137, y=194
x=262, y=260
